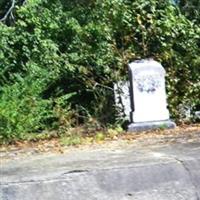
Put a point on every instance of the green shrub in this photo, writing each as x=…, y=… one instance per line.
x=22, y=111
x=81, y=47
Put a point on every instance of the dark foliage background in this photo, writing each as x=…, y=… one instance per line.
x=60, y=58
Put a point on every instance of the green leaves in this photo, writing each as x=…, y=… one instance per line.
x=22, y=111
x=191, y=9
x=57, y=51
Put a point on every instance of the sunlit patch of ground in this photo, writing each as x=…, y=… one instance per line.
x=110, y=139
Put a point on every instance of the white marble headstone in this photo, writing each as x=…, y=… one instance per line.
x=148, y=97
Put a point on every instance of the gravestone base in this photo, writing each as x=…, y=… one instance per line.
x=143, y=126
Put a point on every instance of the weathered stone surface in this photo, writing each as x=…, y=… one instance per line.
x=122, y=99
x=197, y=114
x=148, y=96
x=151, y=125
x=147, y=79
x=138, y=173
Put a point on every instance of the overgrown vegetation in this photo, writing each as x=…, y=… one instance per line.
x=59, y=59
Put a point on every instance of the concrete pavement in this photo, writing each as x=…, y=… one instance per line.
x=148, y=172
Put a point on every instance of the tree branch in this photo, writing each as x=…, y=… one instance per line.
x=8, y=12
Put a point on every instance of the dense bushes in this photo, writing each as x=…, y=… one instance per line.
x=191, y=9
x=60, y=59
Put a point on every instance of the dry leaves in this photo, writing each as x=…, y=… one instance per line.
x=184, y=133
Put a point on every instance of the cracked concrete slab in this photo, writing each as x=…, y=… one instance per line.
x=164, y=172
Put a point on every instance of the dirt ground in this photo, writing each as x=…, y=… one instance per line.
x=181, y=134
